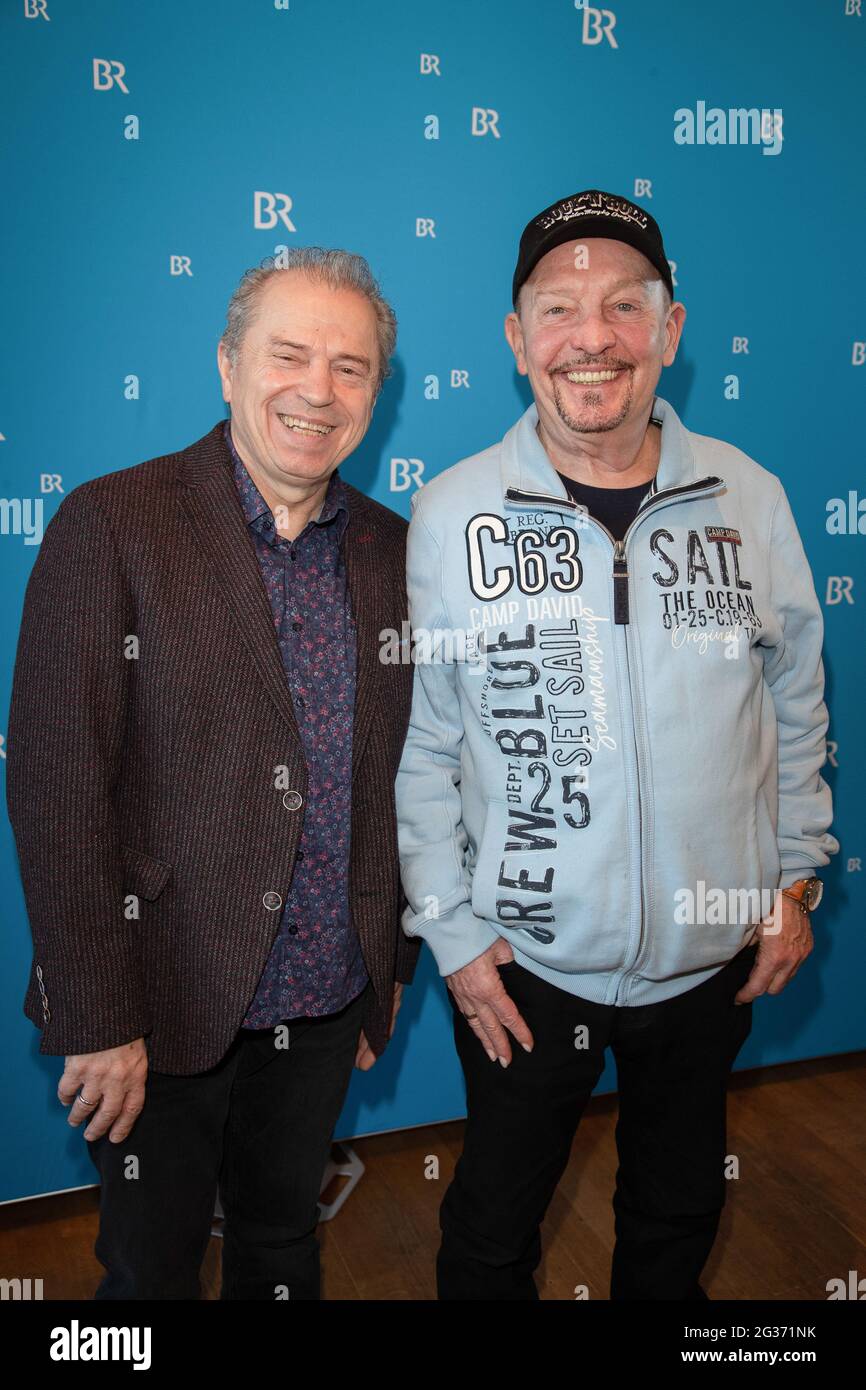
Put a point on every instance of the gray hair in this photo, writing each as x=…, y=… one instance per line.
x=338, y=269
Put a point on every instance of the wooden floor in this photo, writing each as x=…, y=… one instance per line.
x=795, y=1218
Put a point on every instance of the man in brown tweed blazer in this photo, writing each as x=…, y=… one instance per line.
x=203, y=742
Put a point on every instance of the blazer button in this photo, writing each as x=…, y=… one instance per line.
x=272, y=901
x=293, y=801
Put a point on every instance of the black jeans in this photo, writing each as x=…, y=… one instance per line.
x=258, y=1125
x=673, y=1060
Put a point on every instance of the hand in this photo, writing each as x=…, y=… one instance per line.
x=785, y=938
x=365, y=1057
x=114, y=1079
x=478, y=990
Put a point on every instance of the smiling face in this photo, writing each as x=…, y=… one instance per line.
x=303, y=386
x=593, y=340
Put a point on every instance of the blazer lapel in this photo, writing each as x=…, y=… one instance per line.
x=212, y=505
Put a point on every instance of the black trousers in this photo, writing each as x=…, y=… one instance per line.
x=258, y=1127
x=673, y=1060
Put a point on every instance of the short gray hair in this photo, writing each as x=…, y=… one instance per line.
x=338, y=269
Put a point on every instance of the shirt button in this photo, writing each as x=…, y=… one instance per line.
x=299, y=854
x=272, y=901
x=293, y=929
x=296, y=627
x=293, y=801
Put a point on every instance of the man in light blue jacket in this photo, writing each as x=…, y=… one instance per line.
x=609, y=803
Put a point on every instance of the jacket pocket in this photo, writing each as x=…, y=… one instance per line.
x=142, y=874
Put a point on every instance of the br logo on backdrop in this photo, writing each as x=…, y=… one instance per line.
x=271, y=208
x=840, y=589
x=598, y=25
x=405, y=472
x=108, y=73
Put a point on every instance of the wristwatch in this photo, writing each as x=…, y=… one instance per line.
x=807, y=892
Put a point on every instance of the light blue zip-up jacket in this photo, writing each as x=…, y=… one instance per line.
x=612, y=746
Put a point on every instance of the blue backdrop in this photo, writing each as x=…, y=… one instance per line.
x=153, y=152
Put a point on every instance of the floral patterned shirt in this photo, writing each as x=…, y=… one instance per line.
x=315, y=966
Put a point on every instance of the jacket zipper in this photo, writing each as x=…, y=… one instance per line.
x=621, y=617
x=620, y=564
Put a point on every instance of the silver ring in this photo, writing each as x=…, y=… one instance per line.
x=86, y=1102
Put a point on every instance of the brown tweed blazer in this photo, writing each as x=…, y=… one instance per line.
x=149, y=715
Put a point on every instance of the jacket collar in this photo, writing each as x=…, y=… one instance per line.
x=527, y=466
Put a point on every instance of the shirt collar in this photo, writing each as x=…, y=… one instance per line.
x=335, y=506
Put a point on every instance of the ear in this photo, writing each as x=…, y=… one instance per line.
x=514, y=334
x=673, y=331
x=225, y=371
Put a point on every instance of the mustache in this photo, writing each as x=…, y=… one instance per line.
x=592, y=366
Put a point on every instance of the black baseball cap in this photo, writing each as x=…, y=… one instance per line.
x=588, y=214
